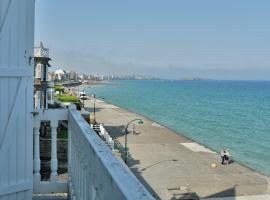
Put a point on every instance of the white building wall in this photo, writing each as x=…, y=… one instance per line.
x=37, y=100
x=38, y=70
x=50, y=93
x=16, y=98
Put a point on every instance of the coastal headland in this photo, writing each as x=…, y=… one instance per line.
x=172, y=166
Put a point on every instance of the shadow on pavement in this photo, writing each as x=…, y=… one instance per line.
x=118, y=131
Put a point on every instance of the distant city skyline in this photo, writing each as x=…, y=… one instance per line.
x=166, y=39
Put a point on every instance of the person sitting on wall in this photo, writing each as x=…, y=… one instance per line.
x=225, y=157
x=222, y=155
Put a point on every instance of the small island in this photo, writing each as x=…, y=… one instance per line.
x=196, y=79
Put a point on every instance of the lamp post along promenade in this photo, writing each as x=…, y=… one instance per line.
x=139, y=121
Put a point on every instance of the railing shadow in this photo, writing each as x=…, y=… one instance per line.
x=91, y=109
x=138, y=173
x=118, y=131
x=231, y=192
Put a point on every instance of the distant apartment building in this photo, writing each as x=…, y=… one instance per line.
x=61, y=75
x=83, y=77
x=51, y=76
x=73, y=76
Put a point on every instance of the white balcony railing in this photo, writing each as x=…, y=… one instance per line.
x=54, y=185
x=94, y=172
x=104, y=135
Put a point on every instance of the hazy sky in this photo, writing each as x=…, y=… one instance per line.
x=165, y=38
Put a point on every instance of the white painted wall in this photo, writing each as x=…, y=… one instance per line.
x=38, y=70
x=16, y=98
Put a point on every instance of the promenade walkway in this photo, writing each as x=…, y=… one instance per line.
x=174, y=167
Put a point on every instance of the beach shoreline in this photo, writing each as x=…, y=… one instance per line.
x=114, y=117
x=96, y=83
x=182, y=135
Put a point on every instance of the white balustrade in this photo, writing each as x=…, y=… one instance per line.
x=95, y=173
x=54, y=161
x=111, y=143
x=102, y=129
x=36, y=153
x=46, y=97
x=53, y=185
x=105, y=135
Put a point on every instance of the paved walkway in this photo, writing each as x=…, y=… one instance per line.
x=174, y=167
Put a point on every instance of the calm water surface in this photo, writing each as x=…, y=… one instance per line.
x=220, y=114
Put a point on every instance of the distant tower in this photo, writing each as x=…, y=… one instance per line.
x=41, y=84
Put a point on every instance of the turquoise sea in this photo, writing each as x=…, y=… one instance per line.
x=219, y=114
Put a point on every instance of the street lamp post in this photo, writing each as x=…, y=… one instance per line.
x=140, y=121
x=99, y=97
x=83, y=98
x=94, y=96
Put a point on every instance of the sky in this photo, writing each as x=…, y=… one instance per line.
x=169, y=39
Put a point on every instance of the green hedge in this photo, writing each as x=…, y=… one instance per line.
x=72, y=99
x=68, y=98
x=59, y=88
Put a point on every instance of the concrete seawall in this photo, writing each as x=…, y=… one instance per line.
x=172, y=166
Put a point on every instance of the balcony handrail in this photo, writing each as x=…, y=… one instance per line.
x=101, y=175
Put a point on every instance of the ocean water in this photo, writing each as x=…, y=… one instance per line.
x=232, y=115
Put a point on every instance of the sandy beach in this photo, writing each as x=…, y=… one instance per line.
x=172, y=166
